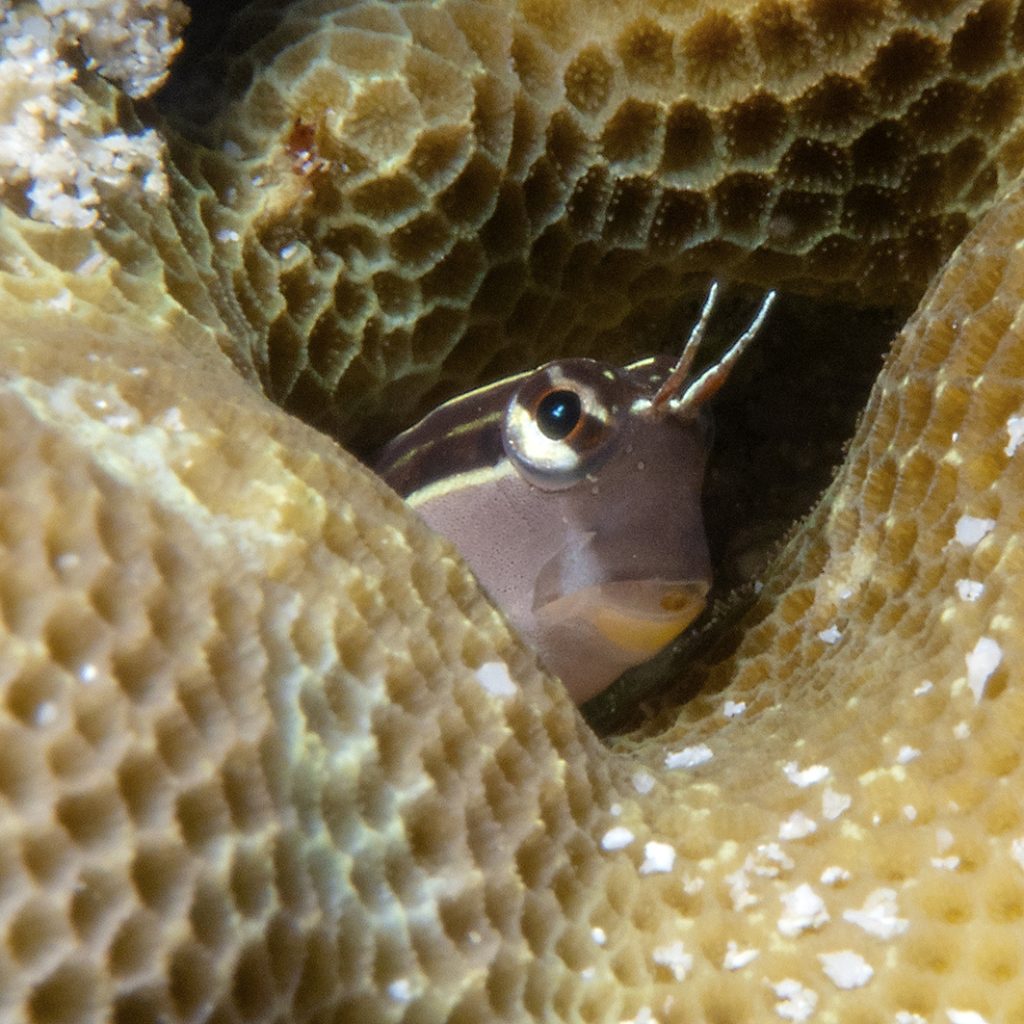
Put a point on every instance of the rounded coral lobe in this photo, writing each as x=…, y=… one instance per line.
x=266, y=752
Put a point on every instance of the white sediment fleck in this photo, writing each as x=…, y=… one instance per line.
x=961, y=730
x=45, y=714
x=943, y=839
x=643, y=1016
x=965, y=1017
x=906, y=754
x=659, y=858
x=910, y=812
x=1017, y=852
x=922, y=688
x=879, y=916
x=227, y=235
x=834, y=804
x=804, y=777
x=494, y=677
x=643, y=782
x=91, y=264
x=400, y=990
x=797, y=826
x=599, y=936
x=981, y=663
x=969, y=590
x=796, y=1001
x=617, y=838
x=830, y=635
x=67, y=562
x=906, y=1017
x=736, y=959
x=615, y=810
x=1015, y=430
x=739, y=890
x=946, y=863
x=733, y=708
x=170, y=419
x=88, y=672
x=846, y=969
x=689, y=757
x=62, y=301
x=588, y=973
x=971, y=529
x=769, y=860
x=675, y=958
x=803, y=910
x=834, y=875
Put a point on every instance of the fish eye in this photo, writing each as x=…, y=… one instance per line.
x=563, y=421
x=558, y=413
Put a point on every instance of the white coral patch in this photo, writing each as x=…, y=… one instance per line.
x=971, y=529
x=982, y=661
x=797, y=826
x=400, y=991
x=834, y=804
x=803, y=777
x=734, y=708
x=846, y=969
x=796, y=1001
x=659, y=858
x=643, y=782
x=689, y=757
x=617, y=838
x=804, y=910
x=1015, y=430
x=494, y=677
x=830, y=635
x=675, y=958
x=736, y=959
x=834, y=875
x=879, y=916
x=49, y=143
x=643, y=1016
x=1017, y=852
x=969, y=590
x=131, y=41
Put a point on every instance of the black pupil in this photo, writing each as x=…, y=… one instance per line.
x=558, y=413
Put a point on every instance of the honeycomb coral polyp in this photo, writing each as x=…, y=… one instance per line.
x=649, y=138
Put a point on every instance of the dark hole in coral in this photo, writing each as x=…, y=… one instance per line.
x=781, y=426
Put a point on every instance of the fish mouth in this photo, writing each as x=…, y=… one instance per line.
x=595, y=634
x=642, y=617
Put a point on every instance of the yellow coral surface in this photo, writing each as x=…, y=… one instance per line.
x=266, y=754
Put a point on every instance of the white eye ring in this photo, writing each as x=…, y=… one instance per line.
x=532, y=446
x=555, y=463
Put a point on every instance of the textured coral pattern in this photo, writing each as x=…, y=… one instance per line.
x=266, y=754
x=495, y=183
